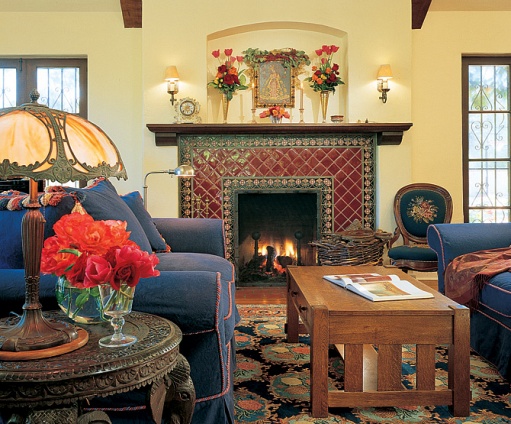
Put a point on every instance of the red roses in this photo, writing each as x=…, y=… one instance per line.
x=89, y=253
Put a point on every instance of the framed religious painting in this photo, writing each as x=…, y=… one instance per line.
x=274, y=85
x=273, y=74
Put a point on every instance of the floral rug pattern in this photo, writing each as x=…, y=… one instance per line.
x=271, y=383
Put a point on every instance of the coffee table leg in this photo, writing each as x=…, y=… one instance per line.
x=459, y=363
x=319, y=362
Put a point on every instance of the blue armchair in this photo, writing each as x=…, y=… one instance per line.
x=490, y=321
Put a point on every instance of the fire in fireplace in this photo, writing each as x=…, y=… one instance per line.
x=274, y=231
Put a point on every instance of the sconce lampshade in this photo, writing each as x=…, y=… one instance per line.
x=171, y=74
x=43, y=143
x=385, y=72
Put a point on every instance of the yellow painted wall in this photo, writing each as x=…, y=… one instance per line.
x=437, y=51
x=114, y=70
x=126, y=67
x=177, y=33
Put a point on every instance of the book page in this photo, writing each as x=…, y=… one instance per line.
x=378, y=287
x=383, y=288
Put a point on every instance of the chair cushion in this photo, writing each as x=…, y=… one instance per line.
x=136, y=204
x=417, y=253
x=101, y=201
x=420, y=208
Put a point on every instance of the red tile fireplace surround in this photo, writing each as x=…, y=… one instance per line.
x=336, y=161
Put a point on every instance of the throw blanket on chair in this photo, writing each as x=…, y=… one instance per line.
x=466, y=275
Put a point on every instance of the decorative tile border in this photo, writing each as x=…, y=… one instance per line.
x=232, y=186
x=347, y=160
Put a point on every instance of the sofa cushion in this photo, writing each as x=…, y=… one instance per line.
x=496, y=296
x=196, y=262
x=101, y=201
x=136, y=204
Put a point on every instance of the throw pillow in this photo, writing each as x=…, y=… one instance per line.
x=54, y=204
x=136, y=204
x=101, y=201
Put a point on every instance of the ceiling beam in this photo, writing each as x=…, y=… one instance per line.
x=132, y=13
x=419, y=12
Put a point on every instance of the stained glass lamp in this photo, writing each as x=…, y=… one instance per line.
x=47, y=144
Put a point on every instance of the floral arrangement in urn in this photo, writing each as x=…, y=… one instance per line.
x=229, y=77
x=325, y=74
x=276, y=113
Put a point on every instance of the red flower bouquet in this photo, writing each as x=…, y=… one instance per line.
x=229, y=76
x=325, y=75
x=276, y=113
x=89, y=253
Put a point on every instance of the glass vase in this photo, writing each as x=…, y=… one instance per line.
x=225, y=107
x=81, y=305
x=323, y=97
x=275, y=120
x=117, y=304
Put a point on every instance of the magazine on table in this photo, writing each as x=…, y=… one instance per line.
x=377, y=287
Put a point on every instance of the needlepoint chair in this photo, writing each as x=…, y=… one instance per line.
x=416, y=206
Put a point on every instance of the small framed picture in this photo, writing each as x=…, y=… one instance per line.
x=274, y=85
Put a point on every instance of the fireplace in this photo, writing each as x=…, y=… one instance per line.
x=273, y=230
x=335, y=161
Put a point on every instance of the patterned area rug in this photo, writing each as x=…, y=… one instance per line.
x=272, y=381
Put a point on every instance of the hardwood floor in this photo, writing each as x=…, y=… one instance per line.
x=260, y=295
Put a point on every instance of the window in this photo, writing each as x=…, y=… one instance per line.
x=61, y=83
x=486, y=139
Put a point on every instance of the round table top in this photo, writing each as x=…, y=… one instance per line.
x=91, y=369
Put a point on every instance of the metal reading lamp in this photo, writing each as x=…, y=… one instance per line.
x=47, y=144
x=180, y=171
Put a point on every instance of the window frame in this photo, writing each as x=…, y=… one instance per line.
x=26, y=69
x=468, y=60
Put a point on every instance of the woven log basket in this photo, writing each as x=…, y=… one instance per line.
x=355, y=246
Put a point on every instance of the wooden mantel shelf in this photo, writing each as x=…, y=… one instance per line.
x=387, y=133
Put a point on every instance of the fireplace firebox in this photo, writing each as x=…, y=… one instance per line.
x=274, y=230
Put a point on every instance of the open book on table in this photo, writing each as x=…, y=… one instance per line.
x=378, y=287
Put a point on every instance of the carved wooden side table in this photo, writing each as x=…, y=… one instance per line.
x=54, y=389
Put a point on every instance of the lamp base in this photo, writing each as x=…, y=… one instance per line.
x=35, y=332
x=83, y=338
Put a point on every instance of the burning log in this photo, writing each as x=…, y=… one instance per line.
x=284, y=261
x=270, y=257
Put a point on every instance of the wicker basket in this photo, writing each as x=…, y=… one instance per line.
x=354, y=247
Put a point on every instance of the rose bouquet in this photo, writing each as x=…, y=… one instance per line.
x=325, y=74
x=229, y=77
x=276, y=113
x=89, y=253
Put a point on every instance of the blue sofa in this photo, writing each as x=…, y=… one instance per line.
x=195, y=289
x=490, y=321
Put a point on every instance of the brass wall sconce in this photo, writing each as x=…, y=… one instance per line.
x=384, y=74
x=180, y=171
x=172, y=78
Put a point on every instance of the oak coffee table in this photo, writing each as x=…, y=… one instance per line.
x=332, y=315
